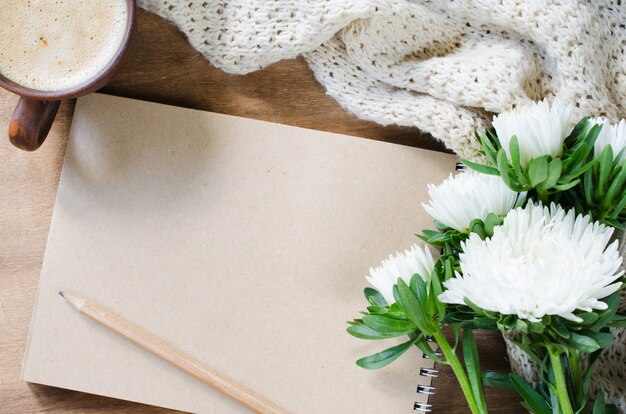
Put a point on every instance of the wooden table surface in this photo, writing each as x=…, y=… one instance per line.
x=163, y=68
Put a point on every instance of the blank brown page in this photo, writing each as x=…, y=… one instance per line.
x=242, y=243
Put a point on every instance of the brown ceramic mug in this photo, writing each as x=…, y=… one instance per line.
x=36, y=84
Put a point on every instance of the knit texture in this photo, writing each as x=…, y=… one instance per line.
x=442, y=66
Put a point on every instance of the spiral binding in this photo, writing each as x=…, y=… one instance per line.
x=423, y=407
x=431, y=372
x=427, y=389
x=437, y=354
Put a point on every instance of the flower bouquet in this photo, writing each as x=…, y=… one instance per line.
x=526, y=246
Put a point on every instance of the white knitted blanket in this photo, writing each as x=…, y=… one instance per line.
x=441, y=66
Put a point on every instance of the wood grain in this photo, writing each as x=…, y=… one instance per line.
x=163, y=68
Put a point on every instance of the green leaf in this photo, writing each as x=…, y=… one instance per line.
x=386, y=357
x=472, y=365
x=491, y=221
x=425, y=347
x=506, y=322
x=588, y=187
x=565, y=187
x=486, y=323
x=477, y=226
x=612, y=223
x=554, y=401
x=538, y=171
x=554, y=173
x=430, y=303
x=592, y=135
x=454, y=317
x=606, y=161
x=498, y=380
x=477, y=310
x=575, y=156
x=440, y=225
x=398, y=299
x=374, y=297
x=486, y=141
x=593, y=360
x=440, y=239
x=397, y=315
x=619, y=207
x=615, y=188
x=494, y=138
x=583, y=343
x=515, y=156
x=483, y=169
x=521, y=326
x=559, y=328
x=427, y=235
x=503, y=167
x=598, y=406
x=536, y=327
x=418, y=286
x=577, y=172
x=364, y=332
x=413, y=307
x=449, y=269
x=533, y=401
x=377, y=310
x=618, y=321
x=384, y=324
x=468, y=324
x=488, y=150
x=437, y=289
x=603, y=339
x=576, y=133
x=455, y=334
x=553, y=395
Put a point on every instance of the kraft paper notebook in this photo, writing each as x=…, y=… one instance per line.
x=244, y=244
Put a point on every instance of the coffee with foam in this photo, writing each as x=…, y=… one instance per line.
x=54, y=45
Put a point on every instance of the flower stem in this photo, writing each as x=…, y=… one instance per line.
x=458, y=370
x=561, y=386
x=576, y=374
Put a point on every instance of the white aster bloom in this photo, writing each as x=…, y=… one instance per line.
x=467, y=196
x=610, y=134
x=540, y=129
x=403, y=265
x=540, y=261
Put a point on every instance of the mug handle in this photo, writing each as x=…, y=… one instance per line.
x=31, y=122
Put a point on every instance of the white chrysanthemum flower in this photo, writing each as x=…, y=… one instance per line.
x=403, y=265
x=540, y=129
x=540, y=261
x=613, y=135
x=467, y=196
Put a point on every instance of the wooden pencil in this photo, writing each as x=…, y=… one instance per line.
x=184, y=362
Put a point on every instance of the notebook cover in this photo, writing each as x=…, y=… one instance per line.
x=242, y=243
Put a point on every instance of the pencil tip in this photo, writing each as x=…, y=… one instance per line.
x=61, y=293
